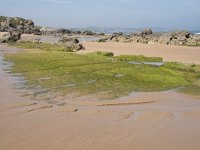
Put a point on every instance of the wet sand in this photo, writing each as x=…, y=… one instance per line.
x=183, y=54
x=140, y=121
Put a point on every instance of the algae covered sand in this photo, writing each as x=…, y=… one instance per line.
x=49, y=67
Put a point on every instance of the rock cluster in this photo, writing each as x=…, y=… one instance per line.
x=19, y=25
x=148, y=37
x=71, y=44
x=65, y=32
x=11, y=36
x=169, y=38
x=117, y=37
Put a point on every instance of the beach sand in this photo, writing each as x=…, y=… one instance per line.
x=183, y=54
x=153, y=120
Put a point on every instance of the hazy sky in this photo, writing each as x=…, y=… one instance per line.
x=179, y=14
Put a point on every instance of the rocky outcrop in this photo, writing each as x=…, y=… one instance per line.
x=88, y=33
x=143, y=36
x=169, y=38
x=17, y=24
x=147, y=36
x=65, y=32
x=11, y=36
x=116, y=37
x=71, y=44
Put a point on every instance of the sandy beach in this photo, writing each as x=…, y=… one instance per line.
x=153, y=120
x=183, y=54
x=99, y=75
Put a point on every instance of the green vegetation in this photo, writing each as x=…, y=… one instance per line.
x=40, y=46
x=138, y=58
x=2, y=18
x=16, y=21
x=107, y=54
x=13, y=21
x=43, y=46
x=191, y=89
x=92, y=74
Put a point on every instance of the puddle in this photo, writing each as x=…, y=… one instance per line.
x=157, y=64
x=119, y=75
x=88, y=39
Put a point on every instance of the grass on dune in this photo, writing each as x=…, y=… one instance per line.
x=97, y=74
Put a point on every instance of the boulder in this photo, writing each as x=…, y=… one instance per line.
x=71, y=44
x=71, y=47
x=10, y=37
x=66, y=39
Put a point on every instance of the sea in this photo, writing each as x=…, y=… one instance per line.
x=196, y=32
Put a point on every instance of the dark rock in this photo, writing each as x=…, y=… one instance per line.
x=67, y=39
x=63, y=31
x=118, y=34
x=76, y=32
x=90, y=33
x=11, y=37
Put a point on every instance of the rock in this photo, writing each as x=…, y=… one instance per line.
x=65, y=39
x=76, y=32
x=29, y=23
x=118, y=34
x=174, y=38
x=10, y=37
x=71, y=47
x=143, y=36
x=144, y=33
x=71, y=44
x=117, y=37
x=18, y=24
x=47, y=31
x=62, y=31
x=170, y=38
x=103, y=40
x=90, y=33
x=101, y=34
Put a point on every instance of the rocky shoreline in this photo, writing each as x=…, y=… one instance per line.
x=179, y=38
x=17, y=26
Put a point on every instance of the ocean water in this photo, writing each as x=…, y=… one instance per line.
x=195, y=32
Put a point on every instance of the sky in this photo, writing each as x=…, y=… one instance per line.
x=173, y=14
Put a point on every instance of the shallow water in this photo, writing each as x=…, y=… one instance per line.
x=88, y=39
x=158, y=64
